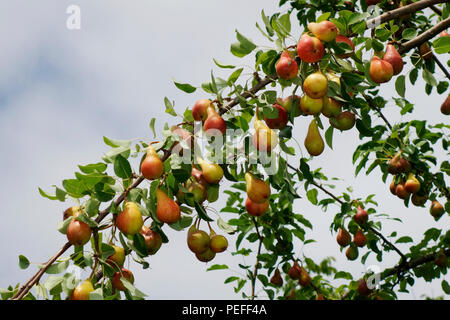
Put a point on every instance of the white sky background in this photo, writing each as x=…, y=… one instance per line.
x=61, y=91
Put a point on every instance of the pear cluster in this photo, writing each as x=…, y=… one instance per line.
x=205, y=246
x=213, y=123
x=381, y=70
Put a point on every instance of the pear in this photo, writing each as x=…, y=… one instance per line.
x=352, y=253
x=82, y=291
x=276, y=279
x=257, y=190
x=152, y=167
x=324, y=30
x=287, y=67
x=264, y=138
x=316, y=85
x=119, y=275
x=199, y=110
x=359, y=239
x=344, y=121
x=436, y=210
x=153, y=239
x=197, y=189
x=331, y=107
x=295, y=271
x=211, y=172
x=361, y=216
x=394, y=58
x=313, y=141
x=78, y=233
x=304, y=279
x=343, y=237
x=418, y=200
x=214, y=123
x=280, y=121
x=117, y=259
x=398, y=164
x=71, y=212
x=380, y=71
x=445, y=107
x=206, y=256
x=363, y=289
x=291, y=104
x=198, y=241
x=310, y=49
x=425, y=51
x=256, y=209
x=400, y=191
x=311, y=106
x=412, y=185
x=393, y=186
x=130, y=221
x=167, y=210
x=218, y=243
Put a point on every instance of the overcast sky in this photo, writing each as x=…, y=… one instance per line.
x=62, y=90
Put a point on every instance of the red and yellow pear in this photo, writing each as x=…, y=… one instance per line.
x=316, y=85
x=331, y=107
x=363, y=289
x=304, y=279
x=257, y=190
x=153, y=239
x=380, y=71
x=256, y=209
x=295, y=271
x=214, y=123
x=401, y=192
x=310, y=49
x=199, y=110
x=119, y=276
x=324, y=30
x=78, y=233
x=264, y=139
x=445, y=107
x=280, y=121
x=412, y=185
x=167, y=210
x=313, y=142
x=287, y=67
x=436, y=210
x=211, y=172
x=198, y=241
x=394, y=58
x=152, y=167
x=117, y=259
x=71, y=212
x=130, y=221
x=82, y=291
x=343, y=121
x=311, y=106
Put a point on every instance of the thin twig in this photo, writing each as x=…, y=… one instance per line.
x=255, y=271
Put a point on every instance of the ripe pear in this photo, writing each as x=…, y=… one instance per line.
x=445, y=107
x=214, y=123
x=167, y=210
x=343, y=237
x=291, y=104
x=310, y=49
x=295, y=271
x=436, y=210
x=331, y=107
x=276, y=279
x=412, y=185
x=206, y=256
x=425, y=51
x=71, y=212
x=361, y=217
x=130, y=221
x=218, y=243
x=197, y=189
x=393, y=186
x=444, y=34
x=363, y=289
x=198, y=241
x=78, y=233
x=311, y=106
x=119, y=275
x=256, y=209
x=198, y=175
x=287, y=67
x=82, y=291
x=340, y=38
x=117, y=259
x=305, y=279
x=199, y=110
x=380, y=71
x=418, y=200
x=211, y=172
x=324, y=30
x=351, y=253
x=257, y=190
x=152, y=167
x=344, y=121
x=316, y=85
x=400, y=191
x=280, y=121
x=313, y=142
x=398, y=164
x=394, y=58
x=264, y=139
x=153, y=239
x=359, y=238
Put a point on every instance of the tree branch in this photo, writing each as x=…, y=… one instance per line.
x=369, y=101
x=255, y=271
x=441, y=66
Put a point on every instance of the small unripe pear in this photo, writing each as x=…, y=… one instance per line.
x=198, y=241
x=117, y=259
x=445, y=107
x=441, y=260
x=352, y=253
x=71, y=212
x=425, y=51
x=206, y=256
x=331, y=107
x=311, y=106
x=343, y=121
x=218, y=243
x=418, y=200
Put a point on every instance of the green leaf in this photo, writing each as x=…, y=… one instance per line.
x=243, y=47
x=234, y=76
x=223, y=66
x=343, y=275
x=404, y=239
x=429, y=78
x=116, y=143
x=46, y=195
x=413, y=75
x=182, y=223
x=169, y=107
x=96, y=294
x=23, y=262
x=329, y=137
x=132, y=289
x=312, y=196
x=442, y=45
x=92, y=206
x=225, y=226
x=152, y=126
x=409, y=33
x=217, y=267
x=186, y=87
x=122, y=167
x=400, y=85
x=202, y=213
x=323, y=17
x=445, y=286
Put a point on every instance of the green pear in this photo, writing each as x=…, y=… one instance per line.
x=313, y=141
